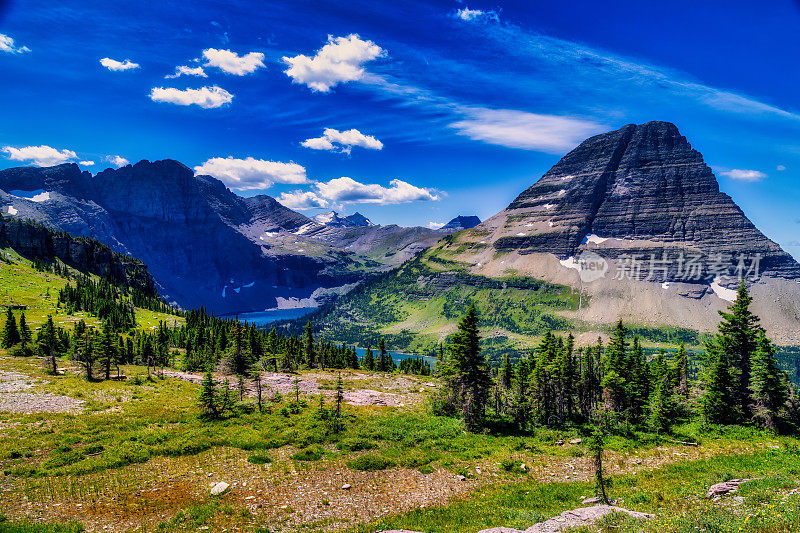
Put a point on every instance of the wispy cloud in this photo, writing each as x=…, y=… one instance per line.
x=340, y=60
x=528, y=131
x=116, y=160
x=205, y=97
x=7, y=45
x=469, y=15
x=740, y=174
x=251, y=173
x=334, y=140
x=42, y=156
x=118, y=66
x=183, y=70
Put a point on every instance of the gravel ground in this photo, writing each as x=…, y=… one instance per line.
x=15, y=399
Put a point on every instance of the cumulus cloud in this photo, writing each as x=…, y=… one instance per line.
x=348, y=190
x=740, y=174
x=205, y=97
x=250, y=173
x=7, y=45
x=342, y=141
x=187, y=71
x=435, y=225
x=233, y=63
x=340, y=60
x=302, y=200
x=528, y=131
x=86, y=163
x=41, y=156
x=116, y=160
x=780, y=167
x=117, y=66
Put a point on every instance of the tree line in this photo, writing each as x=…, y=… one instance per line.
x=739, y=381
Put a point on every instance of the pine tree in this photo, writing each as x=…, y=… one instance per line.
x=720, y=403
x=369, y=361
x=614, y=370
x=47, y=339
x=769, y=385
x=738, y=336
x=10, y=333
x=682, y=372
x=255, y=376
x=208, y=396
x=506, y=372
x=309, y=348
x=597, y=447
x=24, y=330
x=473, y=381
x=661, y=409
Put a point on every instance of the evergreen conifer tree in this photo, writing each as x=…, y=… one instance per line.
x=208, y=396
x=720, y=403
x=10, y=333
x=24, y=330
x=369, y=360
x=769, y=385
x=473, y=378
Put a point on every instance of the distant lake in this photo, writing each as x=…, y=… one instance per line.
x=396, y=356
x=259, y=318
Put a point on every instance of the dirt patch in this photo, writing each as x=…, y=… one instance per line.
x=14, y=397
x=404, y=390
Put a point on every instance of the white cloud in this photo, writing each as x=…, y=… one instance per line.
x=233, y=63
x=528, y=131
x=42, y=156
x=205, y=97
x=116, y=160
x=86, y=163
x=7, y=45
x=780, y=168
x=250, y=173
x=340, y=60
x=116, y=66
x=187, y=71
x=302, y=200
x=348, y=190
x=342, y=141
x=435, y=225
x=744, y=174
x=467, y=15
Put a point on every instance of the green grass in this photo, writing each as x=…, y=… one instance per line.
x=34, y=527
x=674, y=494
x=21, y=284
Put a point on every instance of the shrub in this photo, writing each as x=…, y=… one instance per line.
x=370, y=463
x=312, y=453
x=259, y=459
x=355, y=445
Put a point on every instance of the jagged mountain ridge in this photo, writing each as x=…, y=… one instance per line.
x=205, y=245
x=334, y=220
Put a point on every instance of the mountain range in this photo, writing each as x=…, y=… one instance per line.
x=206, y=245
x=630, y=224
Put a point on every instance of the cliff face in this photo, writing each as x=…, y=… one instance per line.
x=189, y=230
x=33, y=240
x=639, y=190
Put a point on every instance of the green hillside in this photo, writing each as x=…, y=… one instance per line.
x=34, y=291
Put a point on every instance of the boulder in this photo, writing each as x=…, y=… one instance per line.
x=726, y=487
x=219, y=488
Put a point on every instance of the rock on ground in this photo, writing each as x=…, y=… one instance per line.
x=219, y=488
x=726, y=487
x=582, y=516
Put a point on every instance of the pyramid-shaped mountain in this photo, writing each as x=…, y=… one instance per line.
x=640, y=191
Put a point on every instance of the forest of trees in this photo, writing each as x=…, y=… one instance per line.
x=739, y=380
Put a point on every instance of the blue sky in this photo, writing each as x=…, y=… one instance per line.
x=409, y=112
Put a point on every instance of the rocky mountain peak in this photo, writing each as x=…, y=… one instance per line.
x=641, y=187
x=462, y=222
x=334, y=220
